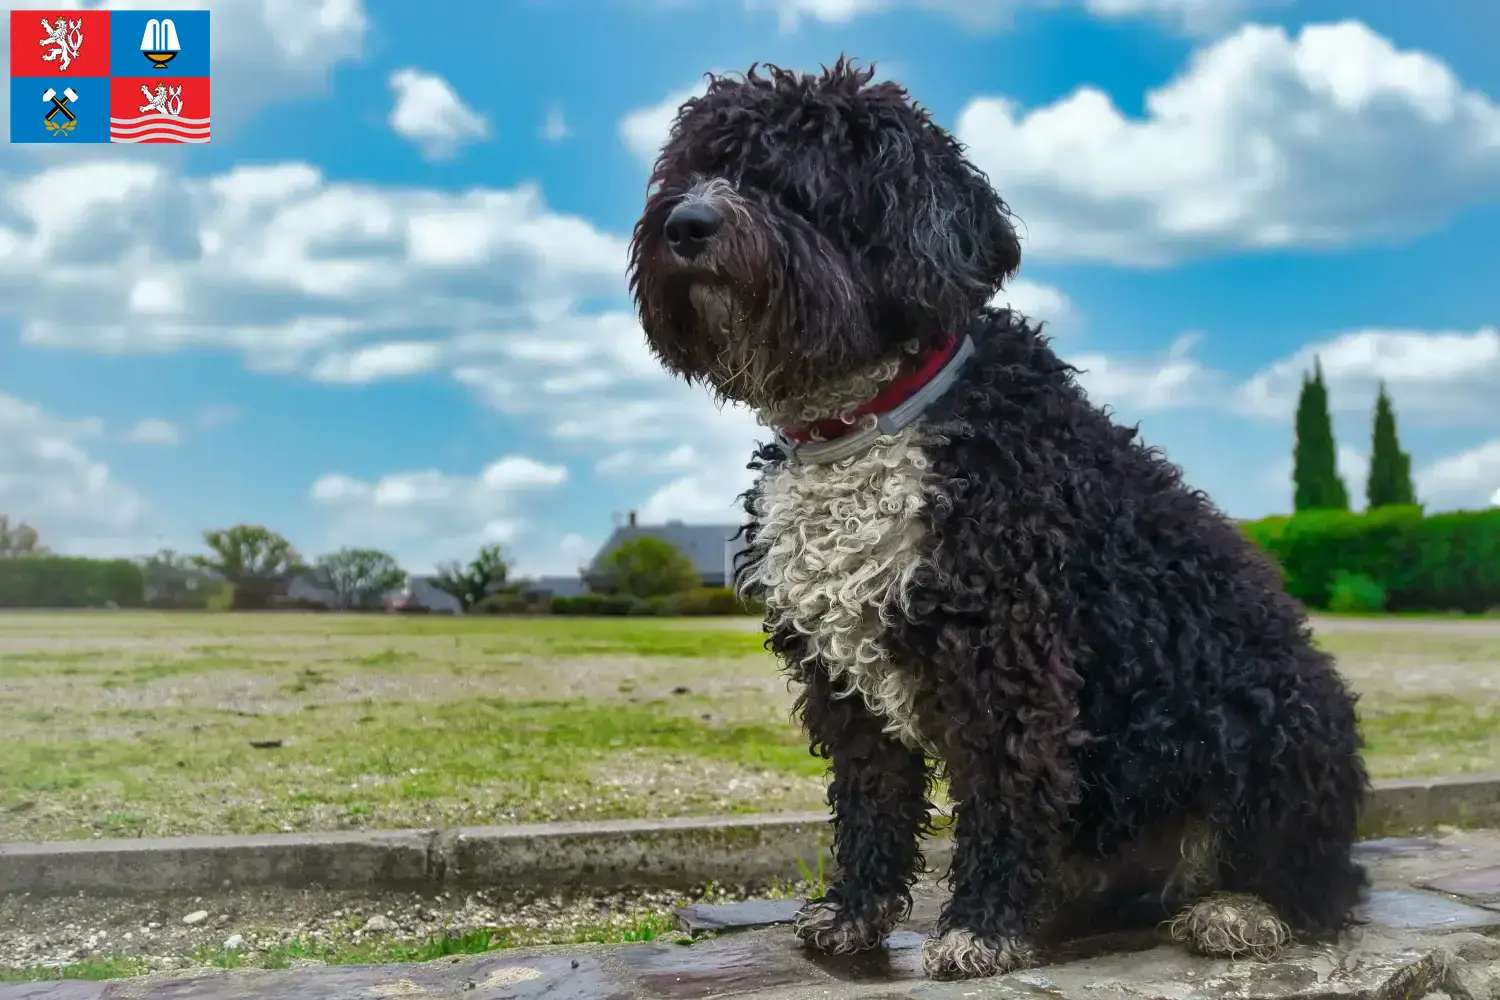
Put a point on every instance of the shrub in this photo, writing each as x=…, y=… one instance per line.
x=593, y=604
x=1355, y=593
x=66, y=582
x=715, y=601
x=1455, y=564
x=1439, y=563
x=211, y=596
x=507, y=602
x=701, y=601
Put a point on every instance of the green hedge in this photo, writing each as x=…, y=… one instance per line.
x=703, y=601
x=63, y=582
x=1439, y=562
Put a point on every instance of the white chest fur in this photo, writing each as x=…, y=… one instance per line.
x=839, y=545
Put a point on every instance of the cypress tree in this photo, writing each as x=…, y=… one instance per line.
x=1390, y=467
x=1315, y=473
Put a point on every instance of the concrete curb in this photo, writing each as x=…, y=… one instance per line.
x=673, y=853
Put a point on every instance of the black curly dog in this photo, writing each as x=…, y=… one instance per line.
x=970, y=571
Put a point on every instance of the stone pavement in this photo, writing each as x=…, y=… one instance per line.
x=1432, y=931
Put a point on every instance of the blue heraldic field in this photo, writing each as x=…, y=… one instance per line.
x=110, y=76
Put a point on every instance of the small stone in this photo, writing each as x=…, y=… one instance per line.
x=196, y=917
x=233, y=942
x=378, y=923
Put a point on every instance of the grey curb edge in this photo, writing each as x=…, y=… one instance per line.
x=671, y=853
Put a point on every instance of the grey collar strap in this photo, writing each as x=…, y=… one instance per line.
x=858, y=440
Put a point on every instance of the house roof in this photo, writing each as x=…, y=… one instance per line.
x=702, y=543
x=557, y=586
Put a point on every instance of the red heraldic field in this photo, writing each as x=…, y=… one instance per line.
x=159, y=109
x=57, y=43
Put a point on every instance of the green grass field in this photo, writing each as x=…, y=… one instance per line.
x=125, y=724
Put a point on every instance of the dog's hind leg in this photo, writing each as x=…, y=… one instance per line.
x=1284, y=840
x=880, y=808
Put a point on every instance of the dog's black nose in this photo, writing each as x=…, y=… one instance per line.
x=689, y=227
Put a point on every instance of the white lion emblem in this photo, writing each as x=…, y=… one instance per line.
x=166, y=101
x=65, y=36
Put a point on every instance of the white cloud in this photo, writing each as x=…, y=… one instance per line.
x=263, y=51
x=1038, y=303
x=990, y=15
x=382, y=361
x=1433, y=377
x=289, y=268
x=430, y=114
x=644, y=130
x=631, y=462
x=572, y=553
x=555, y=126
x=154, y=430
x=49, y=480
x=1174, y=379
x=425, y=517
x=1262, y=141
x=708, y=474
x=1463, y=480
x=216, y=415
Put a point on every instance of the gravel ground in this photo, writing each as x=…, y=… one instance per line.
x=276, y=927
x=1481, y=628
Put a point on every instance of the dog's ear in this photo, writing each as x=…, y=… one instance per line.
x=992, y=251
x=944, y=236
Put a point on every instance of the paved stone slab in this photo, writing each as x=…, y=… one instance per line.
x=1367, y=966
x=723, y=966
x=1408, y=909
x=1400, y=847
x=901, y=961
x=1373, y=963
x=1477, y=885
x=492, y=977
x=700, y=918
x=68, y=990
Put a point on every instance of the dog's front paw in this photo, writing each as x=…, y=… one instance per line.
x=961, y=954
x=1232, y=925
x=823, y=925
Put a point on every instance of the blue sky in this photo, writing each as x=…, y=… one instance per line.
x=386, y=304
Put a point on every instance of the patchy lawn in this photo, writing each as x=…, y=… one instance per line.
x=125, y=724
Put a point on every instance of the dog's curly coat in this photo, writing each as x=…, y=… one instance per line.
x=1013, y=589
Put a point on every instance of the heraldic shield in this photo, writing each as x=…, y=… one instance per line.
x=159, y=109
x=59, y=44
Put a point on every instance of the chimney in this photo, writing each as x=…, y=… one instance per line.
x=630, y=519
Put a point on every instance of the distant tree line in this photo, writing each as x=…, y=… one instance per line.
x=249, y=567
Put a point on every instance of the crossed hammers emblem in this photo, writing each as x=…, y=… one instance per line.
x=61, y=103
